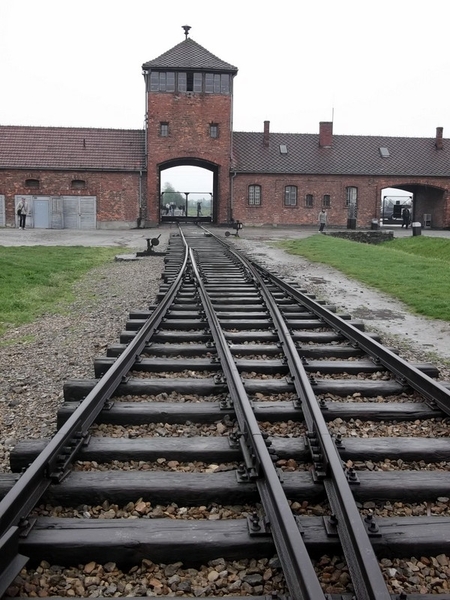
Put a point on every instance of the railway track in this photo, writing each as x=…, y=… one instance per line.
x=242, y=425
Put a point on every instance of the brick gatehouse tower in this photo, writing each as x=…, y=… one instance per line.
x=189, y=121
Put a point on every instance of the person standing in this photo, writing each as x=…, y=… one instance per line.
x=406, y=215
x=322, y=219
x=22, y=211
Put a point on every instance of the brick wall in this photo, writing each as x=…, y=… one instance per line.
x=273, y=211
x=117, y=193
x=189, y=117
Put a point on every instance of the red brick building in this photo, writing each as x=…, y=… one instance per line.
x=107, y=178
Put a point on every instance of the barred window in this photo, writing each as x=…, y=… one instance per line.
x=326, y=201
x=290, y=195
x=254, y=195
x=309, y=200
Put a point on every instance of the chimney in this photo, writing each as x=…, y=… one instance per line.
x=439, y=144
x=325, y=134
x=266, y=134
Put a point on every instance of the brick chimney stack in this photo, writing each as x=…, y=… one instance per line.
x=439, y=132
x=325, y=134
x=266, y=134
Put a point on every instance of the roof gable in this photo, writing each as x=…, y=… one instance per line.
x=189, y=55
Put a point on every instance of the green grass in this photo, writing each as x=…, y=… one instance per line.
x=414, y=270
x=39, y=279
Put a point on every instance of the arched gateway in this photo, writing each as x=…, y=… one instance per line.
x=189, y=100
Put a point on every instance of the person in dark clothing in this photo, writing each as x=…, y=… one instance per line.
x=406, y=217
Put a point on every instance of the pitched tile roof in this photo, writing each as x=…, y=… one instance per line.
x=349, y=155
x=124, y=150
x=189, y=55
x=72, y=148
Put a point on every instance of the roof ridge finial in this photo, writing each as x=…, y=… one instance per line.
x=186, y=30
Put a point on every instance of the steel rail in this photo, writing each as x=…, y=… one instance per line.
x=432, y=390
x=53, y=463
x=362, y=562
x=298, y=569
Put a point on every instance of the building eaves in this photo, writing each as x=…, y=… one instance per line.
x=189, y=55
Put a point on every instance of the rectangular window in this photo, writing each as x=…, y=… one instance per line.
x=290, y=195
x=170, y=82
x=254, y=195
x=326, y=201
x=352, y=196
x=162, y=82
x=154, y=81
x=198, y=87
x=217, y=84
x=309, y=200
x=214, y=130
x=182, y=82
x=224, y=84
x=209, y=83
x=164, y=129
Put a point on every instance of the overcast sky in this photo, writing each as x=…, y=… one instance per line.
x=375, y=68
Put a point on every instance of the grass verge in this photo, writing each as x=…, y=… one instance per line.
x=39, y=279
x=414, y=270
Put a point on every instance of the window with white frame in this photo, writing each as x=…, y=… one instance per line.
x=290, y=195
x=254, y=195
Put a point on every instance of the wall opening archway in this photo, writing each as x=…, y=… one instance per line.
x=428, y=202
x=393, y=202
x=188, y=191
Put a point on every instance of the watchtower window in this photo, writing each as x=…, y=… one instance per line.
x=182, y=82
x=198, y=87
x=194, y=82
x=214, y=130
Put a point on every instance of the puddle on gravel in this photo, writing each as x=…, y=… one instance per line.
x=372, y=314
